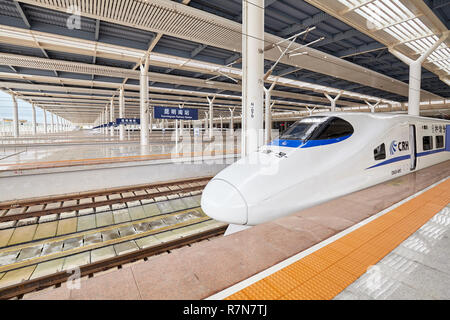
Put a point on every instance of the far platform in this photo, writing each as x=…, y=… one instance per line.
x=88, y=161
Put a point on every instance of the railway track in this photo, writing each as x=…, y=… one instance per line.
x=95, y=231
x=37, y=207
x=18, y=290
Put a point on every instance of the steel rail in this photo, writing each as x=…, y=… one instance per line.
x=22, y=288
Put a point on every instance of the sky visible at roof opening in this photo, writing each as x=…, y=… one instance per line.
x=25, y=109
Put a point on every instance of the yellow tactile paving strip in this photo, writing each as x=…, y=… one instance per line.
x=324, y=273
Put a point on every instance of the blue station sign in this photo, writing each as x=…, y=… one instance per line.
x=175, y=113
x=127, y=121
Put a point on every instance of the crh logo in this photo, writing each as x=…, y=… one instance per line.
x=401, y=146
x=393, y=147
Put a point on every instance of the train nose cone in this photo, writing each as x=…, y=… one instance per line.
x=223, y=202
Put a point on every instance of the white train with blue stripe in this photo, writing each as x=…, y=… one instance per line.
x=323, y=157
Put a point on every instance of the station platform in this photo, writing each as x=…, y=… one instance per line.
x=99, y=161
x=324, y=252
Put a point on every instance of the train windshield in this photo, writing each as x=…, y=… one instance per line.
x=303, y=129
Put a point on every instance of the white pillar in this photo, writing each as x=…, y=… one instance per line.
x=177, y=135
x=53, y=123
x=268, y=114
x=111, y=116
x=211, y=115
x=15, y=117
x=221, y=124
x=253, y=72
x=45, y=121
x=144, y=101
x=415, y=74
x=121, y=113
x=333, y=100
x=231, y=120
x=206, y=121
x=106, y=120
x=372, y=106
x=150, y=119
x=58, y=122
x=34, y=119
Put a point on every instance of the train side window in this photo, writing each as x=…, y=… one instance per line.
x=336, y=128
x=427, y=143
x=379, y=153
x=439, y=142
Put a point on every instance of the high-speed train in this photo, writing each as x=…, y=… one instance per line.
x=323, y=157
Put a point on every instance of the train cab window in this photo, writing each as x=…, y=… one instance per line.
x=427, y=143
x=302, y=129
x=335, y=128
x=439, y=142
x=379, y=153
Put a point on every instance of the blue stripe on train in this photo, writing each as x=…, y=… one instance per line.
x=401, y=158
x=308, y=144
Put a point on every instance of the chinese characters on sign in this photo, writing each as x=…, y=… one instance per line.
x=176, y=113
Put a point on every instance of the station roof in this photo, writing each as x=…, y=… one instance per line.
x=74, y=71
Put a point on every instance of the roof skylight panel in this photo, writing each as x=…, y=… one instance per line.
x=421, y=31
x=396, y=9
x=379, y=11
x=368, y=18
x=345, y=3
x=406, y=29
x=403, y=8
x=373, y=16
x=389, y=13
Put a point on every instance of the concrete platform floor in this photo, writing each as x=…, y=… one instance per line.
x=417, y=269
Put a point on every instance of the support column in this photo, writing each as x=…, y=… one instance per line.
x=58, y=127
x=415, y=74
x=333, y=101
x=45, y=121
x=150, y=119
x=111, y=116
x=221, y=124
x=268, y=114
x=231, y=120
x=206, y=121
x=106, y=120
x=211, y=115
x=34, y=119
x=372, y=106
x=310, y=111
x=143, y=80
x=252, y=75
x=53, y=123
x=15, y=117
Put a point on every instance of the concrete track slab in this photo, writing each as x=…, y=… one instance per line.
x=125, y=247
x=23, y=234
x=77, y=260
x=102, y=253
x=66, y=226
x=5, y=235
x=48, y=267
x=104, y=219
x=86, y=223
x=16, y=276
x=151, y=210
x=46, y=230
x=121, y=216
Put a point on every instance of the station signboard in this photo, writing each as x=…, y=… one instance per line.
x=127, y=121
x=176, y=113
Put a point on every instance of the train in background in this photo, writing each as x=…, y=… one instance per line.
x=323, y=157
